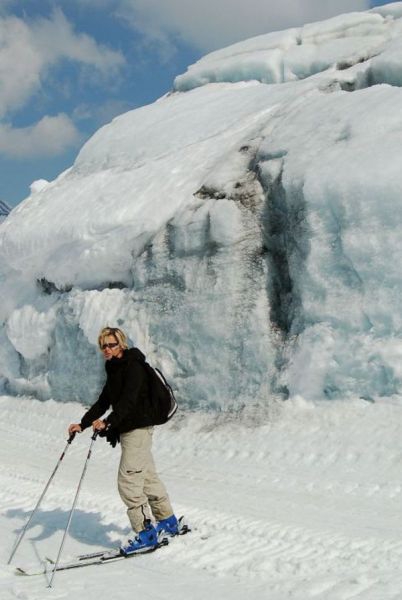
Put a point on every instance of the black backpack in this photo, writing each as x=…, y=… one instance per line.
x=163, y=404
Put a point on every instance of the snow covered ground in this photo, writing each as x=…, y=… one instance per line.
x=307, y=505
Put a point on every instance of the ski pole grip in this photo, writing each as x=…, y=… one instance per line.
x=95, y=435
x=72, y=436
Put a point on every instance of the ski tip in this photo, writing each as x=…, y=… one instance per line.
x=38, y=570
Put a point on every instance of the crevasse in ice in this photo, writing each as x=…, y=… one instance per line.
x=245, y=230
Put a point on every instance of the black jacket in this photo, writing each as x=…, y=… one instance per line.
x=127, y=391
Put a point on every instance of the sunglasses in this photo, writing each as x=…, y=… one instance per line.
x=111, y=346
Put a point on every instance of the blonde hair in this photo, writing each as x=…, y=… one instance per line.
x=118, y=335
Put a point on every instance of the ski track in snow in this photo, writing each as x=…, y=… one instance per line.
x=305, y=506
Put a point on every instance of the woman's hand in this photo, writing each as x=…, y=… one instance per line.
x=98, y=425
x=74, y=428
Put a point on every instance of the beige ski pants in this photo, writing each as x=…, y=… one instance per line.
x=139, y=485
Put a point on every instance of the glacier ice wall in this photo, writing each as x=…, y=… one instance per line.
x=244, y=230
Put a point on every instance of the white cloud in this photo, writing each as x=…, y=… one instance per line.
x=28, y=51
x=49, y=137
x=56, y=39
x=20, y=65
x=213, y=24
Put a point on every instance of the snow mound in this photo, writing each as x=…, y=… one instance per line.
x=296, y=53
x=245, y=230
x=38, y=185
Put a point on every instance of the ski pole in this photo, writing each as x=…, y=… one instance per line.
x=19, y=540
x=73, y=507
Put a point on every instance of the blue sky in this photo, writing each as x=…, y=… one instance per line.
x=69, y=66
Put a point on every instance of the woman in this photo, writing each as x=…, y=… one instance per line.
x=126, y=391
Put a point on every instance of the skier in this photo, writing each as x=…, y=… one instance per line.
x=126, y=390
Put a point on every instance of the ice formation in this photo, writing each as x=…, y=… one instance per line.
x=245, y=230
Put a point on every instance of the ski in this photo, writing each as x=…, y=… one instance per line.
x=99, y=557
x=183, y=529
x=86, y=560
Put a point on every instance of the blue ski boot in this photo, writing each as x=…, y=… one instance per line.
x=145, y=541
x=171, y=527
x=168, y=526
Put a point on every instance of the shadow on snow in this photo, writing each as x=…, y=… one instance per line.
x=85, y=527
